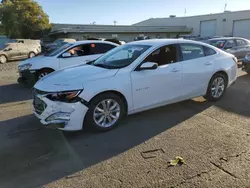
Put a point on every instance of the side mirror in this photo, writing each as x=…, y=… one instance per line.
x=148, y=66
x=66, y=54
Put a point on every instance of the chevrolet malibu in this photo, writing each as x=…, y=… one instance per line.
x=132, y=78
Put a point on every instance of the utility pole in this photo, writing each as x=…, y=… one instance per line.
x=225, y=7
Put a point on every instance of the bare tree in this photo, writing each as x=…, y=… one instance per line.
x=114, y=22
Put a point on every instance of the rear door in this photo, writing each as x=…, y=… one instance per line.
x=243, y=48
x=24, y=50
x=198, y=68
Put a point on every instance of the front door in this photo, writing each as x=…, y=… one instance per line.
x=161, y=85
x=13, y=51
x=80, y=54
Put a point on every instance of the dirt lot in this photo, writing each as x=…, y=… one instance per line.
x=213, y=138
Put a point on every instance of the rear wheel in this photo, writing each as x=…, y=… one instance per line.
x=105, y=112
x=32, y=54
x=3, y=59
x=216, y=88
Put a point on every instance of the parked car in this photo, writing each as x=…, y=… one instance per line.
x=234, y=45
x=246, y=63
x=57, y=44
x=16, y=51
x=70, y=54
x=131, y=78
x=35, y=43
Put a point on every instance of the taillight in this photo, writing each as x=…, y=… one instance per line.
x=235, y=59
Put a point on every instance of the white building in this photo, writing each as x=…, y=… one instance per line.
x=221, y=24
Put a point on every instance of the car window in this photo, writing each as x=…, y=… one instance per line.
x=191, y=51
x=217, y=43
x=164, y=55
x=80, y=50
x=208, y=51
x=230, y=44
x=59, y=50
x=241, y=42
x=99, y=48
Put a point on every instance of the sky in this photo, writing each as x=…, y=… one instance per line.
x=127, y=12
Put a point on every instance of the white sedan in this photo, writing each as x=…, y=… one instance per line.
x=70, y=54
x=131, y=78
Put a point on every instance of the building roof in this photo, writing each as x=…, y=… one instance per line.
x=187, y=17
x=76, y=28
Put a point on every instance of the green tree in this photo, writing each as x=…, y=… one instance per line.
x=23, y=18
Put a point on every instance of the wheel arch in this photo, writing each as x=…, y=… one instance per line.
x=221, y=72
x=116, y=93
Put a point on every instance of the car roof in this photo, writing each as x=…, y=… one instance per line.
x=93, y=41
x=159, y=42
x=226, y=38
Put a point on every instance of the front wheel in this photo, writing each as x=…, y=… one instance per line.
x=216, y=88
x=105, y=112
x=3, y=59
x=43, y=73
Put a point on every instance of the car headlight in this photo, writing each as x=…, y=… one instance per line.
x=247, y=57
x=25, y=66
x=65, y=96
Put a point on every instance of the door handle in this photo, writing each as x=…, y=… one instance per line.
x=208, y=63
x=175, y=70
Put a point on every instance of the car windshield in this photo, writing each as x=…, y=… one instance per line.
x=121, y=56
x=217, y=43
x=59, y=50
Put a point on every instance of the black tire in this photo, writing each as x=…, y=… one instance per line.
x=3, y=59
x=32, y=54
x=89, y=118
x=209, y=96
x=43, y=73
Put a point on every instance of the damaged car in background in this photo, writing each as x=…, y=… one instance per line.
x=68, y=55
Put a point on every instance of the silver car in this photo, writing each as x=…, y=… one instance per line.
x=233, y=45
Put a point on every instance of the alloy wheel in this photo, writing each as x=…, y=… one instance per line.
x=218, y=87
x=106, y=113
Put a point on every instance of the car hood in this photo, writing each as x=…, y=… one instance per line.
x=34, y=59
x=73, y=78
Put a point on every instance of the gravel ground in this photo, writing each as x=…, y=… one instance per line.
x=213, y=139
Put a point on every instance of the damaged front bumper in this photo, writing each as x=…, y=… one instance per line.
x=27, y=76
x=61, y=115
